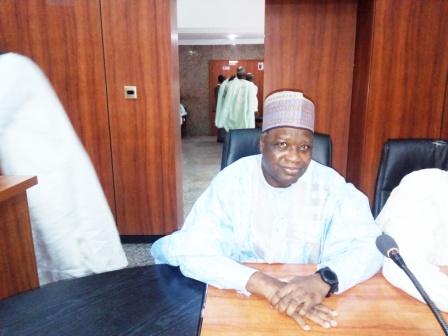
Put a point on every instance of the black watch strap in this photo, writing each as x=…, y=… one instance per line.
x=329, y=277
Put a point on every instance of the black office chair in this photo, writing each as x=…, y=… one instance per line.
x=403, y=156
x=244, y=142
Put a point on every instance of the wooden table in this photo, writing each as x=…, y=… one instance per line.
x=150, y=300
x=17, y=262
x=372, y=308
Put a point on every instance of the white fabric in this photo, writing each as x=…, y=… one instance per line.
x=288, y=109
x=182, y=113
x=241, y=218
x=221, y=113
x=416, y=216
x=253, y=100
x=73, y=229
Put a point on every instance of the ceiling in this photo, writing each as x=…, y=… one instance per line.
x=211, y=22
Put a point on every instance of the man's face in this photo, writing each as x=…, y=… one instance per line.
x=286, y=155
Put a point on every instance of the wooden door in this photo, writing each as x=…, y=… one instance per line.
x=145, y=134
x=64, y=39
x=228, y=68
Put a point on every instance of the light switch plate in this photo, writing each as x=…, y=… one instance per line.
x=130, y=92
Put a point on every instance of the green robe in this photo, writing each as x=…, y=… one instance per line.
x=237, y=103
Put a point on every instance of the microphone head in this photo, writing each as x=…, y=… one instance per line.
x=386, y=244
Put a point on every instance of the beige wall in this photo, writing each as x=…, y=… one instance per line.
x=193, y=61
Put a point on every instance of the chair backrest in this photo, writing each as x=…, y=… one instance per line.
x=403, y=156
x=244, y=142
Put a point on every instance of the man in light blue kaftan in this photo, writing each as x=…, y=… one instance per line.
x=279, y=207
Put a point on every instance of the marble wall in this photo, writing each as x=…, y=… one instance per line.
x=193, y=64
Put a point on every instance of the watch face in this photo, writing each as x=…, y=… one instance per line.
x=330, y=278
x=329, y=275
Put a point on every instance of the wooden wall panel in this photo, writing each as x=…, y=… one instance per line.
x=406, y=82
x=444, y=128
x=309, y=45
x=173, y=209
x=64, y=38
x=141, y=50
x=361, y=73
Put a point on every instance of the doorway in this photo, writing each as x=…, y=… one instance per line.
x=212, y=31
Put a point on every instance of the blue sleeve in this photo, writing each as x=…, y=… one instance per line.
x=204, y=247
x=349, y=242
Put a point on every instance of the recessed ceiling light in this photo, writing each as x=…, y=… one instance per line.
x=232, y=36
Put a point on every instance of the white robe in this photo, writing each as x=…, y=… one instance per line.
x=73, y=229
x=416, y=216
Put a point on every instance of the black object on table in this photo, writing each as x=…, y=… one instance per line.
x=150, y=300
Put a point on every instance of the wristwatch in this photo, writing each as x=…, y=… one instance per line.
x=329, y=277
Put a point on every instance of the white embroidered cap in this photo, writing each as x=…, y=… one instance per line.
x=288, y=109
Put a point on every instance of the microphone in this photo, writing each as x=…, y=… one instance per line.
x=389, y=248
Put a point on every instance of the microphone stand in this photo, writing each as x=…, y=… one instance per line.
x=396, y=257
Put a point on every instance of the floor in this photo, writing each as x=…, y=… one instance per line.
x=201, y=162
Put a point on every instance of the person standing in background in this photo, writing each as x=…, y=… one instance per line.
x=220, y=108
x=238, y=105
x=217, y=90
x=253, y=100
x=221, y=79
